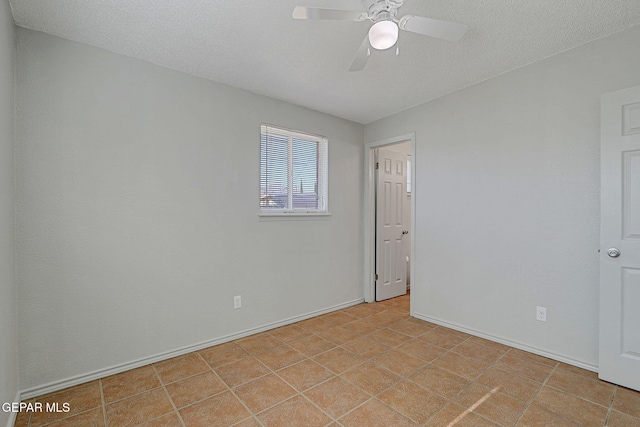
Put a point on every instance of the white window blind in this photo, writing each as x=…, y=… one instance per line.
x=293, y=172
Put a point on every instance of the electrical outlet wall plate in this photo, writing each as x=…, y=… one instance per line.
x=237, y=301
x=541, y=314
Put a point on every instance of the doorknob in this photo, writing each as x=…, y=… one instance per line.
x=613, y=252
x=405, y=231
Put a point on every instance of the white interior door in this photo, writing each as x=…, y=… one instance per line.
x=391, y=190
x=620, y=239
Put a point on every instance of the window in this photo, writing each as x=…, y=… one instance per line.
x=293, y=172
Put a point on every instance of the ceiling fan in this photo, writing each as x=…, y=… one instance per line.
x=383, y=34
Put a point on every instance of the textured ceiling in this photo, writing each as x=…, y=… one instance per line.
x=257, y=46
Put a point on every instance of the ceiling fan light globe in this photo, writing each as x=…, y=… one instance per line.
x=383, y=35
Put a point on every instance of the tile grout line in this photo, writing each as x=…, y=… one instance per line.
x=580, y=397
x=58, y=420
x=408, y=379
x=104, y=404
x=166, y=392
x=471, y=381
x=355, y=407
x=544, y=383
x=391, y=407
x=207, y=397
x=232, y=391
x=372, y=360
x=29, y=417
x=556, y=366
x=229, y=388
x=530, y=401
x=365, y=360
x=584, y=399
x=301, y=393
x=252, y=417
x=131, y=395
x=613, y=397
x=65, y=418
x=372, y=396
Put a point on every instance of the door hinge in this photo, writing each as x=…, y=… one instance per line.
x=377, y=165
x=376, y=277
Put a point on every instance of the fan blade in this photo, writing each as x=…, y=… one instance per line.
x=303, y=12
x=433, y=27
x=362, y=56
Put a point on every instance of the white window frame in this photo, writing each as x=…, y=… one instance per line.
x=323, y=174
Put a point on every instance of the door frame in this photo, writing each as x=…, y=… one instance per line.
x=369, y=212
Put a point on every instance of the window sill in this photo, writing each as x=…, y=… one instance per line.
x=293, y=214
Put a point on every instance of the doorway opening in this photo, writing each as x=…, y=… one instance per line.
x=401, y=147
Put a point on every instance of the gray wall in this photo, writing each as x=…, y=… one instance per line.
x=137, y=200
x=8, y=332
x=507, y=198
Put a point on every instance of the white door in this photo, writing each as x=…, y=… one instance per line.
x=391, y=192
x=620, y=238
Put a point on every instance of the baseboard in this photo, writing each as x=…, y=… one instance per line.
x=13, y=415
x=101, y=373
x=510, y=343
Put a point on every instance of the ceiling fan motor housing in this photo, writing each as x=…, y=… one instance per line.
x=382, y=10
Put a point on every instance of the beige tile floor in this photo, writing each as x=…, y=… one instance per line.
x=368, y=365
